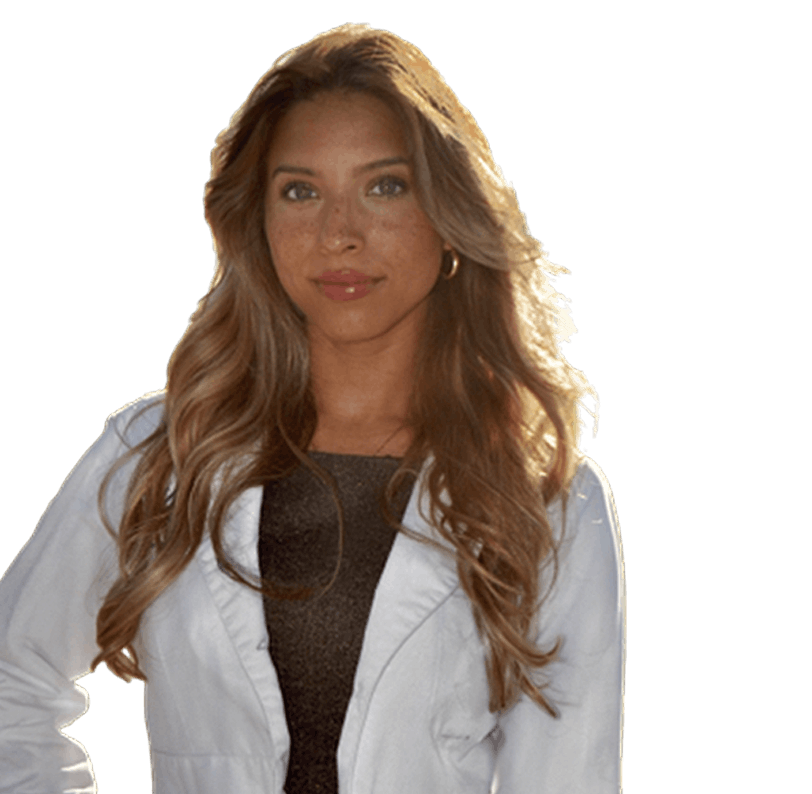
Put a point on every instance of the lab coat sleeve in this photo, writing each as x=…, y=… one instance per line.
x=49, y=599
x=578, y=753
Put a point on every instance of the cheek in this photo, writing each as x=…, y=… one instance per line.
x=414, y=236
x=289, y=240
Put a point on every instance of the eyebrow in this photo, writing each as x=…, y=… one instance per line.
x=296, y=169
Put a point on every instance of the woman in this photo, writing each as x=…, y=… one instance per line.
x=352, y=546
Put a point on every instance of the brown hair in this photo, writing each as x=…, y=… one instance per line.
x=494, y=401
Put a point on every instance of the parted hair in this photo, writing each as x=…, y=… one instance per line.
x=494, y=407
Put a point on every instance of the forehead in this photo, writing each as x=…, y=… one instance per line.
x=349, y=123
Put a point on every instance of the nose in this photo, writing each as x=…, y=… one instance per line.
x=339, y=230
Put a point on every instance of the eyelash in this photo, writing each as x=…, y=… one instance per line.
x=392, y=180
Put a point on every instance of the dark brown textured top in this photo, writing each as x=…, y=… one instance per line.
x=315, y=644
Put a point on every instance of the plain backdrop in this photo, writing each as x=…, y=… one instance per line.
x=661, y=153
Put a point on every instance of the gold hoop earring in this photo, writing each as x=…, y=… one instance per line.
x=455, y=263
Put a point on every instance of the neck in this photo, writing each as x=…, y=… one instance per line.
x=362, y=397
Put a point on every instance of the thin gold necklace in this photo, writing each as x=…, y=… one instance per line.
x=387, y=440
x=375, y=453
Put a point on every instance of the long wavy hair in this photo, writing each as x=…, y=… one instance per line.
x=494, y=404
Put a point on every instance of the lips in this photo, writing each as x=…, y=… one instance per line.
x=346, y=285
x=345, y=276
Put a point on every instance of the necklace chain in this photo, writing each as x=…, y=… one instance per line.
x=387, y=440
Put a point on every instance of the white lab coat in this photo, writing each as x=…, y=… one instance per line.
x=418, y=720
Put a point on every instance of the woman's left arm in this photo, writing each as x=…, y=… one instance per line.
x=579, y=752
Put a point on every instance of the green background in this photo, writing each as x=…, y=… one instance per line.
x=656, y=150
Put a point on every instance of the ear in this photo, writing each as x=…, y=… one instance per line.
x=448, y=247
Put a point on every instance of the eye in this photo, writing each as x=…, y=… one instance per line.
x=388, y=186
x=298, y=191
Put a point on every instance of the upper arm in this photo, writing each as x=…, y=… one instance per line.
x=580, y=750
x=49, y=599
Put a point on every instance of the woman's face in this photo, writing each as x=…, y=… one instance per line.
x=351, y=245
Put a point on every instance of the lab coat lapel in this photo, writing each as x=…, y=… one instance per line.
x=416, y=580
x=243, y=611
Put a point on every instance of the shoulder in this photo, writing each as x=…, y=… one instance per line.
x=590, y=494
x=137, y=420
x=124, y=430
x=588, y=498
x=104, y=461
x=585, y=527
x=586, y=588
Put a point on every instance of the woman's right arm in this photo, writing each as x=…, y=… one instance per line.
x=49, y=599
